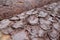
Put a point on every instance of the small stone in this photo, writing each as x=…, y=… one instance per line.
x=22, y=15
x=20, y=36
x=7, y=30
x=43, y=21
x=42, y=14
x=50, y=19
x=56, y=26
x=33, y=20
x=56, y=9
x=33, y=30
x=30, y=12
x=45, y=24
x=18, y=24
x=4, y=23
x=41, y=33
x=45, y=27
x=53, y=5
x=35, y=12
x=14, y=18
x=54, y=33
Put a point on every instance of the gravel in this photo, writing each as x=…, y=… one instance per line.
x=36, y=24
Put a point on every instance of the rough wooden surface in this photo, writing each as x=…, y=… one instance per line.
x=9, y=8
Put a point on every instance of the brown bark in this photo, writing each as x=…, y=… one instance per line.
x=9, y=8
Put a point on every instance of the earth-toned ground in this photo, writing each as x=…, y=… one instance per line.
x=36, y=24
x=10, y=8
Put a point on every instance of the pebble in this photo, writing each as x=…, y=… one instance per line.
x=45, y=24
x=33, y=20
x=30, y=12
x=56, y=26
x=14, y=18
x=18, y=24
x=41, y=33
x=22, y=15
x=4, y=23
x=54, y=33
x=20, y=36
x=42, y=14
